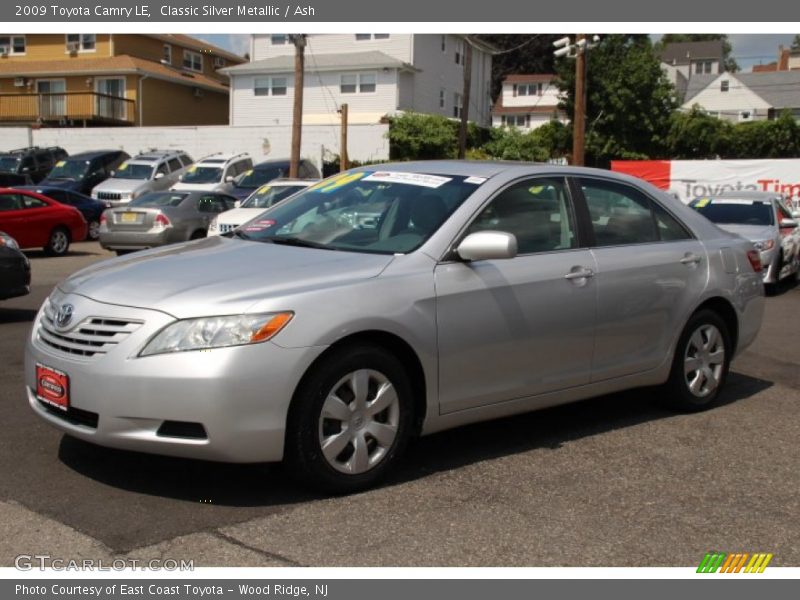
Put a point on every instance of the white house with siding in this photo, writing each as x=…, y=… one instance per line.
x=528, y=101
x=375, y=74
x=745, y=96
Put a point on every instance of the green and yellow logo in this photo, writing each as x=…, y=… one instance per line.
x=739, y=562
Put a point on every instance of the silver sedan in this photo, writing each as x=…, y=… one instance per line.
x=317, y=337
x=160, y=218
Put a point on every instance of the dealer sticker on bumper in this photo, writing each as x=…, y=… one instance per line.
x=52, y=386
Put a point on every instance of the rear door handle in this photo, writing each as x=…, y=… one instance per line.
x=579, y=273
x=690, y=259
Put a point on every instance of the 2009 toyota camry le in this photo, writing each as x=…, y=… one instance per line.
x=394, y=301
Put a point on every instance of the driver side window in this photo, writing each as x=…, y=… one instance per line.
x=538, y=213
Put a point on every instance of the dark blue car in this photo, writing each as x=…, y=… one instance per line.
x=90, y=208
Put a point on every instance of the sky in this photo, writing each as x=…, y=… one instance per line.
x=748, y=49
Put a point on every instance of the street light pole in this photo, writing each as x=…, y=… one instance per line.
x=579, y=118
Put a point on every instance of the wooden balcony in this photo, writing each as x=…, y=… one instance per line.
x=67, y=109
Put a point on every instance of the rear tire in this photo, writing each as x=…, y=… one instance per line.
x=349, y=421
x=700, y=365
x=198, y=235
x=94, y=231
x=58, y=243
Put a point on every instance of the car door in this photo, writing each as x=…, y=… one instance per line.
x=38, y=218
x=650, y=273
x=11, y=219
x=522, y=326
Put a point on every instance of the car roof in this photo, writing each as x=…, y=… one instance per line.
x=749, y=195
x=271, y=163
x=223, y=157
x=89, y=155
x=46, y=188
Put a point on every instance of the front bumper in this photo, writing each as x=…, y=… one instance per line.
x=240, y=395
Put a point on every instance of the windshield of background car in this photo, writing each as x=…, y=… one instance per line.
x=158, y=199
x=383, y=212
x=256, y=177
x=267, y=195
x=201, y=174
x=9, y=163
x=69, y=169
x=735, y=212
x=133, y=171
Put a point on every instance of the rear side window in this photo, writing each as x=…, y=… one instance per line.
x=10, y=202
x=162, y=168
x=31, y=202
x=186, y=160
x=174, y=165
x=622, y=215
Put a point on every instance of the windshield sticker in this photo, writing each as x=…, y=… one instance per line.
x=61, y=163
x=192, y=169
x=475, y=180
x=123, y=166
x=263, y=189
x=703, y=202
x=260, y=225
x=420, y=179
x=250, y=172
x=338, y=181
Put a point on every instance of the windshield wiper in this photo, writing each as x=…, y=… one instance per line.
x=238, y=233
x=295, y=241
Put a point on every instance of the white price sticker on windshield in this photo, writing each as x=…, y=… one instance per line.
x=428, y=181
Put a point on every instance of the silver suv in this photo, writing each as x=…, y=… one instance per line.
x=213, y=173
x=147, y=172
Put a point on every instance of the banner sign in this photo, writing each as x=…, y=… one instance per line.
x=689, y=179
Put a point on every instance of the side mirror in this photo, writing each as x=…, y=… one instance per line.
x=788, y=224
x=237, y=204
x=796, y=214
x=229, y=178
x=488, y=245
x=159, y=176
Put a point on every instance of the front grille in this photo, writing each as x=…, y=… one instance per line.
x=91, y=338
x=109, y=196
x=75, y=416
x=226, y=227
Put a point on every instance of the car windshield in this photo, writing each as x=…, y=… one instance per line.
x=381, y=212
x=158, y=199
x=735, y=212
x=267, y=195
x=256, y=177
x=9, y=163
x=133, y=171
x=202, y=174
x=69, y=169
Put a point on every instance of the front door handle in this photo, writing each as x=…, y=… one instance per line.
x=690, y=259
x=579, y=273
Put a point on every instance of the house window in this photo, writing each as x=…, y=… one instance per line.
x=702, y=67
x=81, y=42
x=441, y=98
x=363, y=37
x=515, y=120
x=12, y=44
x=362, y=83
x=279, y=39
x=219, y=62
x=166, y=55
x=457, y=105
x=528, y=89
x=459, y=55
x=444, y=43
x=192, y=61
x=724, y=86
x=270, y=86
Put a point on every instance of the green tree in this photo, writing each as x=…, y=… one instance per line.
x=415, y=136
x=520, y=54
x=796, y=42
x=629, y=99
x=730, y=63
x=695, y=135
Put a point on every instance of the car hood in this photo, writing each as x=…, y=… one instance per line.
x=239, y=215
x=120, y=185
x=753, y=233
x=218, y=275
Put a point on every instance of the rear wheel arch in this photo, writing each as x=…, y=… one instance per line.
x=727, y=313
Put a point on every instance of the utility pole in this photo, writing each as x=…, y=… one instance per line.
x=462, y=130
x=343, y=139
x=299, y=41
x=579, y=119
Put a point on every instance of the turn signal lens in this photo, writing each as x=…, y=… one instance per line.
x=272, y=327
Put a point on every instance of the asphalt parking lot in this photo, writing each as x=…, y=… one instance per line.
x=615, y=481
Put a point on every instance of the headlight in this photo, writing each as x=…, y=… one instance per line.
x=216, y=332
x=8, y=241
x=765, y=245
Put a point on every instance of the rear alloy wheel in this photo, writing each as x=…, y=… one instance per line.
x=349, y=421
x=94, y=231
x=58, y=243
x=701, y=363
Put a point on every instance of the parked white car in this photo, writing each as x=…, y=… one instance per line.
x=150, y=171
x=212, y=173
x=265, y=197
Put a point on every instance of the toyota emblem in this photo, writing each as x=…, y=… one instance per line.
x=64, y=315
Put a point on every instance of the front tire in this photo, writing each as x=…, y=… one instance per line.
x=700, y=366
x=349, y=421
x=58, y=243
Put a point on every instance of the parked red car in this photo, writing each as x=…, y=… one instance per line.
x=37, y=221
